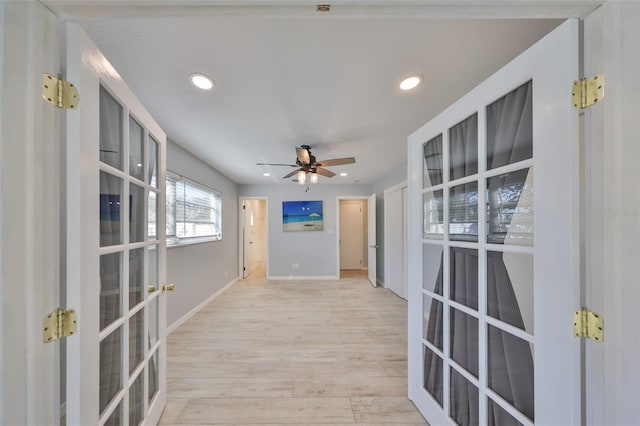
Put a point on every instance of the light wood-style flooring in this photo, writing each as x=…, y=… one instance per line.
x=292, y=352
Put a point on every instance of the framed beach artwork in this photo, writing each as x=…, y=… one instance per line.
x=302, y=216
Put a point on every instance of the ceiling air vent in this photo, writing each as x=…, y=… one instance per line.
x=323, y=8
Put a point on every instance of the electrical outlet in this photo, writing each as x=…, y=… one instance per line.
x=294, y=266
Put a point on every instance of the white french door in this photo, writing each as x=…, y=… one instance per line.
x=116, y=363
x=494, y=247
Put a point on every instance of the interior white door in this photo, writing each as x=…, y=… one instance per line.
x=490, y=297
x=405, y=238
x=246, y=239
x=394, y=242
x=116, y=363
x=351, y=232
x=373, y=242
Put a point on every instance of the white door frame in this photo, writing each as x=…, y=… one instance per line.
x=30, y=234
x=612, y=214
x=241, y=199
x=338, y=199
x=387, y=249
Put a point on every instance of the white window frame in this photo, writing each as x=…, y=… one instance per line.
x=173, y=239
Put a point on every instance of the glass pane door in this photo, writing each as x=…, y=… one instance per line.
x=478, y=256
x=494, y=248
x=129, y=260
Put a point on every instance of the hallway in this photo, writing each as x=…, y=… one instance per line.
x=292, y=352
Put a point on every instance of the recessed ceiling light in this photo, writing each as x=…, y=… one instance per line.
x=266, y=174
x=411, y=82
x=343, y=174
x=201, y=81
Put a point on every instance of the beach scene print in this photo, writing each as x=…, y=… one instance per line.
x=302, y=216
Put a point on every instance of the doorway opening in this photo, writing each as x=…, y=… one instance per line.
x=353, y=238
x=253, y=232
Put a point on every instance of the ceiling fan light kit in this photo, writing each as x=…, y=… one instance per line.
x=307, y=164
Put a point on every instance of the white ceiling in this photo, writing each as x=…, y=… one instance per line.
x=286, y=79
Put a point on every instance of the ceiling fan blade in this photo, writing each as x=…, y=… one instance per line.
x=291, y=174
x=336, y=162
x=324, y=172
x=276, y=164
x=303, y=155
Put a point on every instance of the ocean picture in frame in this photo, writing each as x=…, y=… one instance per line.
x=302, y=216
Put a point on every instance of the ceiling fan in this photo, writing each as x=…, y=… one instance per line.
x=306, y=163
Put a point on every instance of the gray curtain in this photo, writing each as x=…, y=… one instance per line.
x=432, y=151
x=110, y=265
x=509, y=139
x=463, y=148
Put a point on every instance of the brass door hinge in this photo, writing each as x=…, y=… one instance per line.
x=588, y=91
x=59, y=323
x=588, y=324
x=58, y=92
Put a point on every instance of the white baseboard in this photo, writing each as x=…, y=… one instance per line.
x=195, y=310
x=304, y=277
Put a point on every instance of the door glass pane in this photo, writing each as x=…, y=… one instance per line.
x=510, y=128
x=510, y=369
x=510, y=288
x=110, y=130
x=110, y=367
x=509, y=200
x=152, y=173
x=136, y=143
x=116, y=417
x=463, y=212
x=432, y=165
x=463, y=148
x=136, y=273
x=110, y=197
x=464, y=403
x=463, y=286
x=432, y=374
x=136, y=340
x=153, y=321
x=152, y=226
x=152, y=252
x=152, y=368
x=136, y=401
x=432, y=268
x=498, y=416
x=433, y=215
x=110, y=288
x=432, y=320
x=464, y=340
x=136, y=213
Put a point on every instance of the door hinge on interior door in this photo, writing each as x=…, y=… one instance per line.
x=588, y=91
x=59, y=323
x=588, y=324
x=58, y=92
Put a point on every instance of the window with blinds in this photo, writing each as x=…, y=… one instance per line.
x=193, y=211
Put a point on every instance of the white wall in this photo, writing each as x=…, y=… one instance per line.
x=315, y=252
x=199, y=270
x=613, y=213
